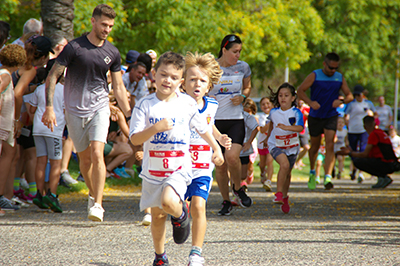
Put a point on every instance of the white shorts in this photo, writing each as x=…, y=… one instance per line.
x=151, y=193
x=83, y=130
x=48, y=146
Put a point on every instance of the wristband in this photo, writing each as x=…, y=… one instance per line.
x=128, y=118
x=341, y=100
x=244, y=96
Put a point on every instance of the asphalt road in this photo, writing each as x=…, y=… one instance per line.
x=349, y=225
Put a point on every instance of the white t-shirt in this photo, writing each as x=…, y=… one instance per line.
x=167, y=152
x=396, y=143
x=384, y=114
x=229, y=86
x=263, y=119
x=357, y=111
x=141, y=89
x=38, y=99
x=201, y=151
x=250, y=123
x=340, y=139
x=284, y=139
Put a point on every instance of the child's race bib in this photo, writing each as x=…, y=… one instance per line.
x=287, y=141
x=163, y=163
x=200, y=156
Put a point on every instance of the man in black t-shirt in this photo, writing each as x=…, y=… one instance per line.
x=87, y=59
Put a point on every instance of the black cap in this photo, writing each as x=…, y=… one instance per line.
x=358, y=89
x=42, y=43
x=132, y=56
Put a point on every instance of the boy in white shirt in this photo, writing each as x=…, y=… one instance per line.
x=48, y=143
x=162, y=122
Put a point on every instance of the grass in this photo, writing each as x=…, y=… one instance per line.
x=136, y=181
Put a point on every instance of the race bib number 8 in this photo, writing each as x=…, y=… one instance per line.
x=164, y=163
x=201, y=156
x=287, y=141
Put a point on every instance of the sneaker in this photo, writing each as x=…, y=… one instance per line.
x=68, y=178
x=52, y=201
x=339, y=175
x=226, y=208
x=17, y=201
x=181, y=227
x=96, y=213
x=267, y=185
x=30, y=198
x=263, y=177
x=278, y=198
x=317, y=180
x=63, y=183
x=379, y=183
x=353, y=175
x=250, y=179
x=235, y=201
x=146, y=219
x=20, y=193
x=91, y=202
x=244, y=200
x=386, y=181
x=130, y=172
x=196, y=260
x=23, y=183
x=328, y=183
x=311, y=182
x=285, y=207
x=160, y=262
x=113, y=174
x=7, y=205
x=80, y=178
x=360, y=178
x=121, y=172
x=38, y=201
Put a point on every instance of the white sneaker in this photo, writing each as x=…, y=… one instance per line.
x=146, y=219
x=23, y=183
x=90, y=202
x=267, y=185
x=196, y=260
x=96, y=213
x=18, y=201
x=68, y=178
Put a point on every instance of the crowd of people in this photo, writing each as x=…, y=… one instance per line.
x=172, y=121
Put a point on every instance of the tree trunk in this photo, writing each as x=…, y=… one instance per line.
x=57, y=16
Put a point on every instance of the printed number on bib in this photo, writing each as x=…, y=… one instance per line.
x=200, y=156
x=287, y=141
x=164, y=163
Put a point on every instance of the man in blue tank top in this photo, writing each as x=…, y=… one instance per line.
x=325, y=85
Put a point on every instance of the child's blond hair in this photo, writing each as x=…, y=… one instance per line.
x=249, y=103
x=207, y=63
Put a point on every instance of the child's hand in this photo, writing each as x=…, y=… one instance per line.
x=265, y=143
x=164, y=125
x=282, y=126
x=225, y=141
x=246, y=146
x=139, y=155
x=217, y=158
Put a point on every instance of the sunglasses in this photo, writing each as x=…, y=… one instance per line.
x=331, y=68
x=231, y=39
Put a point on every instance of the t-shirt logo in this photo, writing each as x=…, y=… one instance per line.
x=107, y=60
x=208, y=119
x=292, y=120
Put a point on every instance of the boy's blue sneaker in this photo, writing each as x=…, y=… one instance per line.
x=311, y=181
x=121, y=172
x=160, y=261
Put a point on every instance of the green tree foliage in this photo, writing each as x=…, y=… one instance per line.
x=8, y=7
x=365, y=34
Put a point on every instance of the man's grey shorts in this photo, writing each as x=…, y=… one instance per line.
x=83, y=130
x=48, y=146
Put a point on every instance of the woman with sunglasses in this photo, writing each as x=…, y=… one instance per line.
x=231, y=91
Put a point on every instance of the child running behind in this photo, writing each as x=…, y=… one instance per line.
x=48, y=142
x=266, y=159
x=201, y=72
x=162, y=121
x=340, y=141
x=286, y=121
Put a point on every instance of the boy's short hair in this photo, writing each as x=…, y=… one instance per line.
x=135, y=66
x=332, y=57
x=369, y=120
x=13, y=55
x=206, y=62
x=104, y=10
x=171, y=58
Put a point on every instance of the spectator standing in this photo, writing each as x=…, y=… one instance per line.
x=385, y=114
x=31, y=27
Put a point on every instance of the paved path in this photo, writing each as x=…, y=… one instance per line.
x=349, y=225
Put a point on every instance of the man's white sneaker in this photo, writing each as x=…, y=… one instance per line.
x=96, y=213
x=196, y=260
x=90, y=203
x=146, y=219
x=68, y=178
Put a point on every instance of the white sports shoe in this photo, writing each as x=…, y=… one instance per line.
x=96, y=213
x=146, y=219
x=68, y=178
x=23, y=183
x=90, y=203
x=196, y=260
x=267, y=185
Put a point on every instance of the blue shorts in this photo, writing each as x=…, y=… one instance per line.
x=275, y=152
x=200, y=187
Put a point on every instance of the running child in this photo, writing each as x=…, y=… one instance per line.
x=162, y=121
x=286, y=121
x=48, y=143
x=340, y=141
x=266, y=159
x=201, y=72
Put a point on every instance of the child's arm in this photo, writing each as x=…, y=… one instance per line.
x=223, y=139
x=265, y=128
x=270, y=127
x=121, y=121
x=160, y=126
x=297, y=128
x=247, y=145
x=217, y=157
x=5, y=80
